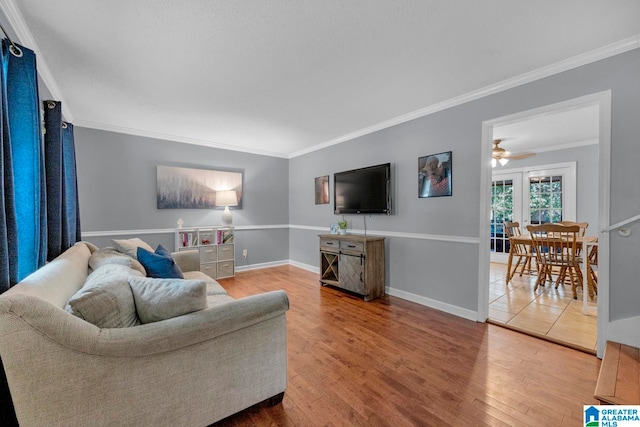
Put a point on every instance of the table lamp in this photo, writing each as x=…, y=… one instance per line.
x=226, y=198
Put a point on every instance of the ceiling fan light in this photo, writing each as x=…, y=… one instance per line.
x=493, y=163
x=504, y=161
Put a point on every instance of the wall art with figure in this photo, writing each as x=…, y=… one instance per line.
x=434, y=175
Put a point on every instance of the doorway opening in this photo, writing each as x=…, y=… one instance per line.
x=538, y=193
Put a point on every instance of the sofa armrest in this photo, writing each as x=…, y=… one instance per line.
x=75, y=334
x=187, y=260
x=194, y=369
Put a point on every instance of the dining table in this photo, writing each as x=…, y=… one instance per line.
x=582, y=242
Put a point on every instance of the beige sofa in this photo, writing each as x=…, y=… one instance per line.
x=190, y=370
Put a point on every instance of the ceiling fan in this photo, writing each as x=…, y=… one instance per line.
x=501, y=155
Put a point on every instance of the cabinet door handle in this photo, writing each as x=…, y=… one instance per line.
x=361, y=277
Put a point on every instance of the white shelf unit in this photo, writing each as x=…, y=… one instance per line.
x=216, y=247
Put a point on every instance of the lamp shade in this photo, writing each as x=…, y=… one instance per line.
x=226, y=198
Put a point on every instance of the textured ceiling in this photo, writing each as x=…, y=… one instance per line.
x=282, y=77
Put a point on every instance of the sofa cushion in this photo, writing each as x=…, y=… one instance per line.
x=130, y=246
x=159, y=264
x=106, y=299
x=213, y=287
x=160, y=299
x=109, y=255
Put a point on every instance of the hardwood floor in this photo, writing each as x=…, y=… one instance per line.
x=390, y=362
x=548, y=312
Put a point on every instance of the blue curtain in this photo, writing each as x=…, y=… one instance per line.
x=63, y=217
x=22, y=137
x=39, y=215
x=8, y=226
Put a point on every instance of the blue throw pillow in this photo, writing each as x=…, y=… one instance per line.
x=159, y=264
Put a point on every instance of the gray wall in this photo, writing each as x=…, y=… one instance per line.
x=447, y=271
x=117, y=190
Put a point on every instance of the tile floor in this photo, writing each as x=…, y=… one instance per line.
x=548, y=313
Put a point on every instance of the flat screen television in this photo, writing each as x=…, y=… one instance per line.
x=363, y=191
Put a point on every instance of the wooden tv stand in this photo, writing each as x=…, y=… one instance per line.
x=353, y=262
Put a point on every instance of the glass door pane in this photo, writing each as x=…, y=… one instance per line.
x=551, y=195
x=506, y=202
x=545, y=199
x=501, y=211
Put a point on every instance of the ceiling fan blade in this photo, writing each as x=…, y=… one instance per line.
x=518, y=156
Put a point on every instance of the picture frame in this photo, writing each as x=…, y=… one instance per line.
x=333, y=229
x=193, y=188
x=435, y=175
x=322, y=190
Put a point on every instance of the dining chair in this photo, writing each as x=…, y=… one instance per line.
x=583, y=226
x=555, y=247
x=583, y=230
x=592, y=276
x=522, y=252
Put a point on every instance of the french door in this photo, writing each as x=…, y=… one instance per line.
x=506, y=206
x=534, y=195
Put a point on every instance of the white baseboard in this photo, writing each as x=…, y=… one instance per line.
x=261, y=265
x=307, y=267
x=438, y=305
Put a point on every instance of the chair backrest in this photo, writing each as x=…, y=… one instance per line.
x=593, y=255
x=555, y=244
x=512, y=229
x=583, y=226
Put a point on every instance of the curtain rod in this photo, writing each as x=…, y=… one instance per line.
x=14, y=49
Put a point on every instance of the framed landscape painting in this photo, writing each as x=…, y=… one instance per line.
x=188, y=188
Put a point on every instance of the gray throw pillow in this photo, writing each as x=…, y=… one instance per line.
x=106, y=300
x=160, y=299
x=108, y=255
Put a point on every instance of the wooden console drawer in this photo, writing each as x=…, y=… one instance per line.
x=331, y=245
x=352, y=246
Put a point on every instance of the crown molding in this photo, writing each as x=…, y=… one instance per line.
x=559, y=67
x=26, y=39
x=174, y=138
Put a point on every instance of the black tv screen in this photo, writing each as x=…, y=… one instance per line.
x=363, y=191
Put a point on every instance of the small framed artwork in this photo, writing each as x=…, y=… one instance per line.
x=333, y=228
x=434, y=175
x=322, y=190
